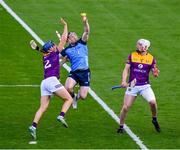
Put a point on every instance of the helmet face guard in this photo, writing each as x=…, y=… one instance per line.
x=47, y=46
x=144, y=43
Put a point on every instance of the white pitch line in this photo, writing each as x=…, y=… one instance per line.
x=18, y=85
x=91, y=92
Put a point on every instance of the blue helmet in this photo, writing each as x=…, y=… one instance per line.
x=47, y=46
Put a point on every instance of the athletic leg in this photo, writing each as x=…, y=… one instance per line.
x=44, y=103
x=82, y=94
x=84, y=82
x=69, y=85
x=43, y=107
x=149, y=96
x=128, y=101
x=153, y=106
x=63, y=93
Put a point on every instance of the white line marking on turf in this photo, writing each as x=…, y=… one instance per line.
x=32, y=142
x=19, y=85
x=91, y=92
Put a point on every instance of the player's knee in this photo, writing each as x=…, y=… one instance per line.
x=83, y=96
x=68, y=98
x=125, y=108
x=152, y=103
x=68, y=88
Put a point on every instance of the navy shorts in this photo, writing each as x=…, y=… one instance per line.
x=81, y=76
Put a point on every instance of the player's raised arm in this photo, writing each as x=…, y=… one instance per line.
x=86, y=32
x=64, y=35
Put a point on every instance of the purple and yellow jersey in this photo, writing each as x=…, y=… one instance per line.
x=140, y=67
x=51, y=65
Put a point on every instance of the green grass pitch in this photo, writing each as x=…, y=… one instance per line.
x=115, y=27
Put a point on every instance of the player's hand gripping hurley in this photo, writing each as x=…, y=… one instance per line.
x=34, y=46
x=131, y=84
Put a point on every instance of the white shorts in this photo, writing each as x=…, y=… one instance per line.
x=144, y=90
x=50, y=85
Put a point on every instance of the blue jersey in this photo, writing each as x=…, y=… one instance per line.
x=78, y=55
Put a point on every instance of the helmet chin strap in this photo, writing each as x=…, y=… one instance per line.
x=141, y=51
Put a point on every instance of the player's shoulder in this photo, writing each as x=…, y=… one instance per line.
x=150, y=56
x=82, y=42
x=63, y=52
x=67, y=48
x=134, y=53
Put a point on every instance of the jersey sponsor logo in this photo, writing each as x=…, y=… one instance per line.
x=139, y=70
x=140, y=66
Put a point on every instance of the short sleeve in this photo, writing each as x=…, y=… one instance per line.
x=128, y=61
x=57, y=52
x=82, y=42
x=154, y=63
x=63, y=52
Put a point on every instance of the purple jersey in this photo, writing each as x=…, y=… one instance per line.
x=140, y=67
x=51, y=65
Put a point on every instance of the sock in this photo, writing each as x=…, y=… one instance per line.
x=62, y=114
x=78, y=96
x=154, y=118
x=121, y=126
x=34, y=124
x=72, y=95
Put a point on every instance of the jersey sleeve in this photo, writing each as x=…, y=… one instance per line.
x=82, y=42
x=128, y=61
x=154, y=63
x=63, y=52
x=57, y=52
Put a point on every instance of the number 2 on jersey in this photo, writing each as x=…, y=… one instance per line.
x=47, y=64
